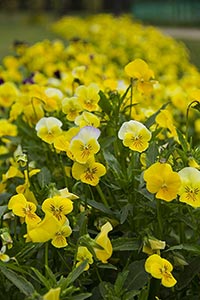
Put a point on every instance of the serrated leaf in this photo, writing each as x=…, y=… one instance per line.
x=19, y=281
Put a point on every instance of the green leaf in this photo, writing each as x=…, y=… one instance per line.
x=125, y=244
x=19, y=281
x=151, y=120
x=189, y=273
x=113, y=164
x=43, y=280
x=186, y=247
x=65, y=282
x=81, y=296
x=182, y=140
x=137, y=277
x=119, y=283
x=104, y=103
x=130, y=295
x=100, y=206
x=106, y=266
x=3, y=209
x=44, y=177
x=124, y=212
x=51, y=276
x=106, y=291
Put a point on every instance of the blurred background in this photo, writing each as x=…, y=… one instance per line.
x=30, y=20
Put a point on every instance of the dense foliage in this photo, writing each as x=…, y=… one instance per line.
x=99, y=165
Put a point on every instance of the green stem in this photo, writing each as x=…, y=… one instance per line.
x=46, y=256
x=131, y=102
x=159, y=218
x=99, y=190
x=154, y=289
x=187, y=118
x=98, y=275
x=181, y=227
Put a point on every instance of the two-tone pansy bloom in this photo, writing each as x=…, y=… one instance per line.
x=48, y=128
x=135, y=135
x=84, y=145
x=189, y=191
x=160, y=268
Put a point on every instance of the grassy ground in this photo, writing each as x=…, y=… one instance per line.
x=23, y=27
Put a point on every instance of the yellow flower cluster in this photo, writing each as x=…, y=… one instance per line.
x=101, y=116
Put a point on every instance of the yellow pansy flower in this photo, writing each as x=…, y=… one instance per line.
x=88, y=96
x=61, y=143
x=4, y=257
x=7, y=128
x=25, y=188
x=190, y=186
x=44, y=230
x=160, y=268
x=134, y=135
x=89, y=173
x=164, y=119
x=66, y=194
x=103, y=240
x=84, y=145
x=53, y=99
x=59, y=240
x=162, y=181
x=48, y=128
x=139, y=70
x=23, y=208
x=8, y=93
x=11, y=173
x=52, y=294
x=58, y=207
x=71, y=107
x=82, y=254
x=87, y=119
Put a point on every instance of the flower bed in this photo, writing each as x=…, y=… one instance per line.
x=100, y=158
